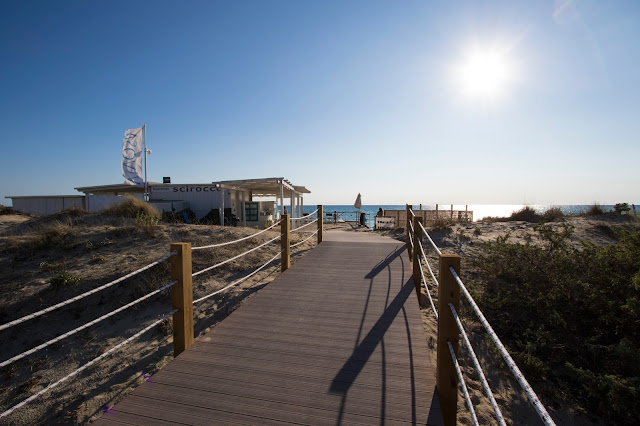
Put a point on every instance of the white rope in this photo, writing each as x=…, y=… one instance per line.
x=424, y=231
x=238, y=281
x=542, y=412
x=428, y=266
x=83, y=295
x=310, y=236
x=236, y=241
x=82, y=327
x=304, y=217
x=234, y=258
x=464, y=385
x=426, y=288
x=483, y=380
x=87, y=365
x=300, y=227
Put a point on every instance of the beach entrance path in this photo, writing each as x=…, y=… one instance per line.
x=336, y=339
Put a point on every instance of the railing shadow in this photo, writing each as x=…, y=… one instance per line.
x=364, y=349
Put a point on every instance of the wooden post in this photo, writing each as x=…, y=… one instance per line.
x=408, y=232
x=182, y=297
x=320, y=225
x=446, y=376
x=436, y=212
x=417, y=253
x=285, y=245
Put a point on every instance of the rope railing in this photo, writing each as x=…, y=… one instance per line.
x=448, y=259
x=474, y=359
x=537, y=405
x=467, y=398
x=84, y=326
x=435, y=280
x=181, y=284
x=238, y=240
x=305, y=216
x=87, y=365
x=238, y=281
x=426, y=288
x=424, y=231
x=305, y=225
x=306, y=239
x=235, y=257
x=83, y=295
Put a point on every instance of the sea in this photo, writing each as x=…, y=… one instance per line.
x=480, y=211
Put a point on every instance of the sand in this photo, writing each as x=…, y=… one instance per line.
x=98, y=249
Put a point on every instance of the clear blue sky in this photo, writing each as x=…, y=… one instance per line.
x=343, y=97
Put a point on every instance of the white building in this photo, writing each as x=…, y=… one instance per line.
x=250, y=202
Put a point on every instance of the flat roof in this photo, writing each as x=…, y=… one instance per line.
x=118, y=187
x=16, y=197
x=265, y=187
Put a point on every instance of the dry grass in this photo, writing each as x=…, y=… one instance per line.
x=132, y=207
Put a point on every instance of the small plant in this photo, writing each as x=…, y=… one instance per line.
x=477, y=232
x=525, y=214
x=147, y=222
x=107, y=242
x=98, y=258
x=51, y=267
x=594, y=210
x=131, y=207
x=64, y=279
x=441, y=224
x=621, y=208
x=554, y=213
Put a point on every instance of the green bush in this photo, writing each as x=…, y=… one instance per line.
x=526, y=214
x=554, y=213
x=621, y=208
x=569, y=316
x=64, y=280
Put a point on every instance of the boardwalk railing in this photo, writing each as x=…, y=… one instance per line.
x=181, y=293
x=400, y=216
x=449, y=286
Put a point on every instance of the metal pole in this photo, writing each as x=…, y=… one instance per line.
x=144, y=140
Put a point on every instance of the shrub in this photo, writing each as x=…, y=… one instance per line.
x=441, y=224
x=569, y=316
x=6, y=210
x=621, y=208
x=64, y=280
x=526, y=214
x=554, y=213
x=131, y=207
x=594, y=210
x=44, y=237
x=146, y=222
x=477, y=232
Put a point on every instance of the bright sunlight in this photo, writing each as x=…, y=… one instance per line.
x=484, y=74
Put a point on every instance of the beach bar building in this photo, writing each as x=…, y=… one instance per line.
x=250, y=202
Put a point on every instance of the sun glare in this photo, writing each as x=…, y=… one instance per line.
x=484, y=74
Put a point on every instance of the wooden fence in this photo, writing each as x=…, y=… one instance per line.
x=430, y=216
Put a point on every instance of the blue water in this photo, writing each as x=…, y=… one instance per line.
x=480, y=211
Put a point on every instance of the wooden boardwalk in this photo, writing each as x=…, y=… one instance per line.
x=336, y=339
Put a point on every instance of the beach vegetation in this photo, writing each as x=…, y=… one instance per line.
x=595, y=210
x=553, y=214
x=441, y=225
x=64, y=279
x=569, y=315
x=131, y=207
x=621, y=208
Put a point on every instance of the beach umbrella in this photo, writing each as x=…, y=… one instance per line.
x=358, y=203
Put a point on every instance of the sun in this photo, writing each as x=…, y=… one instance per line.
x=484, y=74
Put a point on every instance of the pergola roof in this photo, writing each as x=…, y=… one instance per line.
x=266, y=187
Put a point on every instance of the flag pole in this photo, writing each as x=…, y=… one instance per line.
x=144, y=139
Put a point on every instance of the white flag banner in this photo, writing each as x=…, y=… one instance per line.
x=132, y=157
